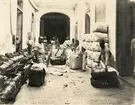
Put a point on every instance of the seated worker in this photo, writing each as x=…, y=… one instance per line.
x=41, y=50
x=67, y=43
x=75, y=45
x=105, y=55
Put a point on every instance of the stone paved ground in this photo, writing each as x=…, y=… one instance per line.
x=73, y=88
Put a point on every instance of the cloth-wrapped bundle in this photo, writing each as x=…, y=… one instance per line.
x=9, y=93
x=86, y=38
x=2, y=80
x=6, y=65
x=17, y=58
x=89, y=54
x=9, y=55
x=91, y=63
x=58, y=60
x=75, y=61
x=100, y=27
x=102, y=78
x=4, y=58
x=37, y=75
x=95, y=56
x=18, y=81
x=97, y=36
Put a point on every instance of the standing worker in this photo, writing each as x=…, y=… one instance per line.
x=84, y=58
x=18, y=43
x=133, y=51
x=105, y=55
x=30, y=44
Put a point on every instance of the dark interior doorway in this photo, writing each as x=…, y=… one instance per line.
x=55, y=25
x=87, y=24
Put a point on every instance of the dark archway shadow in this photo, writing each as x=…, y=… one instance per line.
x=55, y=25
x=87, y=24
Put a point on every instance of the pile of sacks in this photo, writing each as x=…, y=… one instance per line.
x=14, y=70
x=91, y=43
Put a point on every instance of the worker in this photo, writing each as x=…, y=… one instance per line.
x=105, y=55
x=30, y=45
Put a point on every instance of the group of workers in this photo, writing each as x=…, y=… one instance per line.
x=105, y=54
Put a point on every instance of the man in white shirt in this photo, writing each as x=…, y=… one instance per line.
x=30, y=44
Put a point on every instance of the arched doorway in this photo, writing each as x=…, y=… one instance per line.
x=55, y=25
x=87, y=24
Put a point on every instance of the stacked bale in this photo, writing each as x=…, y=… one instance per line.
x=14, y=72
x=91, y=43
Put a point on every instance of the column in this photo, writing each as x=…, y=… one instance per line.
x=72, y=29
x=37, y=30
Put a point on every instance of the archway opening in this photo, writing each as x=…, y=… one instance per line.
x=87, y=24
x=55, y=25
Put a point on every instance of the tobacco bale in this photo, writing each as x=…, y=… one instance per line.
x=91, y=63
x=9, y=55
x=25, y=72
x=100, y=27
x=86, y=38
x=2, y=80
x=37, y=75
x=6, y=65
x=95, y=46
x=17, y=58
x=18, y=81
x=3, y=58
x=97, y=36
x=9, y=94
x=95, y=56
x=89, y=54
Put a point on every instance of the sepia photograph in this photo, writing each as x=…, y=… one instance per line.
x=67, y=52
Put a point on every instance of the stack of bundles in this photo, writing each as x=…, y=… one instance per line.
x=2, y=80
x=37, y=75
x=17, y=58
x=26, y=59
x=66, y=44
x=103, y=79
x=25, y=73
x=57, y=57
x=100, y=32
x=100, y=27
x=86, y=38
x=9, y=92
x=6, y=65
x=18, y=80
x=75, y=61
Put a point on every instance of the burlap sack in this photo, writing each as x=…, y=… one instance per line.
x=89, y=54
x=10, y=92
x=84, y=44
x=95, y=56
x=75, y=61
x=89, y=46
x=97, y=36
x=86, y=38
x=95, y=47
x=100, y=27
x=91, y=64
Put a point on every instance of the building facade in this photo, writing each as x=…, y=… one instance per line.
x=21, y=18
